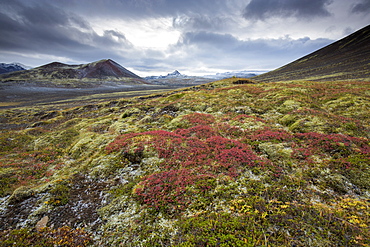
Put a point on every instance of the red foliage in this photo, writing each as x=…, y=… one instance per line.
x=317, y=143
x=199, y=119
x=189, y=156
x=123, y=141
x=199, y=131
x=229, y=131
x=241, y=118
x=168, y=190
x=268, y=134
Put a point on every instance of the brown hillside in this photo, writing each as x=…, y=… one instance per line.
x=346, y=59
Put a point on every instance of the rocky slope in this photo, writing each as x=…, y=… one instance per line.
x=346, y=59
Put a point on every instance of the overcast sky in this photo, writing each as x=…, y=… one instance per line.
x=153, y=37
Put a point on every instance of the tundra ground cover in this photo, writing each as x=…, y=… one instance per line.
x=220, y=164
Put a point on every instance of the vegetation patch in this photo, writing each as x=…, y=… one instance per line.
x=219, y=164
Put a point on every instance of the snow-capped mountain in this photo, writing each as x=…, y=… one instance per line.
x=10, y=67
x=175, y=74
x=176, y=78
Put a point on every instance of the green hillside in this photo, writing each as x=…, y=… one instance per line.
x=229, y=163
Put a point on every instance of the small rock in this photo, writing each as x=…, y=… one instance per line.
x=42, y=223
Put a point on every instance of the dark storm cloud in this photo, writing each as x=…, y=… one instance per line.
x=138, y=9
x=205, y=7
x=263, y=9
x=46, y=29
x=361, y=7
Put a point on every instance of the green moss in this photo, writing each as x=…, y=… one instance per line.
x=62, y=139
x=105, y=166
x=130, y=112
x=21, y=194
x=87, y=144
x=288, y=120
x=175, y=96
x=358, y=171
x=13, y=140
x=59, y=194
x=288, y=106
x=276, y=152
x=214, y=230
x=7, y=180
x=46, y=237
x=24, y=237
x=177, y=123
x=65, y=137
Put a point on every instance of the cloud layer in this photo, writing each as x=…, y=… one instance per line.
x=263, y=9
x=158, y=36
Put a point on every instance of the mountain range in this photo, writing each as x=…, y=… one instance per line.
x=57, y=73
x=217, y=76
x=176, y=78
x=174, y=74
x=11, y=67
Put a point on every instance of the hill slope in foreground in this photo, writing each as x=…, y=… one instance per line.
x=347, y=59
x=229, y=163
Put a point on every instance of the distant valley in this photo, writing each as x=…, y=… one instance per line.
x=76, y=84
x=80, y=84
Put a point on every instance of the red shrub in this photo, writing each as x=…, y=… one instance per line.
x=317, y=143
x=168, y=190
x=199, y=119
x=199, y=131
x=268, y=134
x=190, y=155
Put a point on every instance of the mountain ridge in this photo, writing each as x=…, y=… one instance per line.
x=11, y=67
x=105, y=69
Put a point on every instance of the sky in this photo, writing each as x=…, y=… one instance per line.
x=156, y=37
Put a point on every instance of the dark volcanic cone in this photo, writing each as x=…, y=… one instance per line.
x=106, y=68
